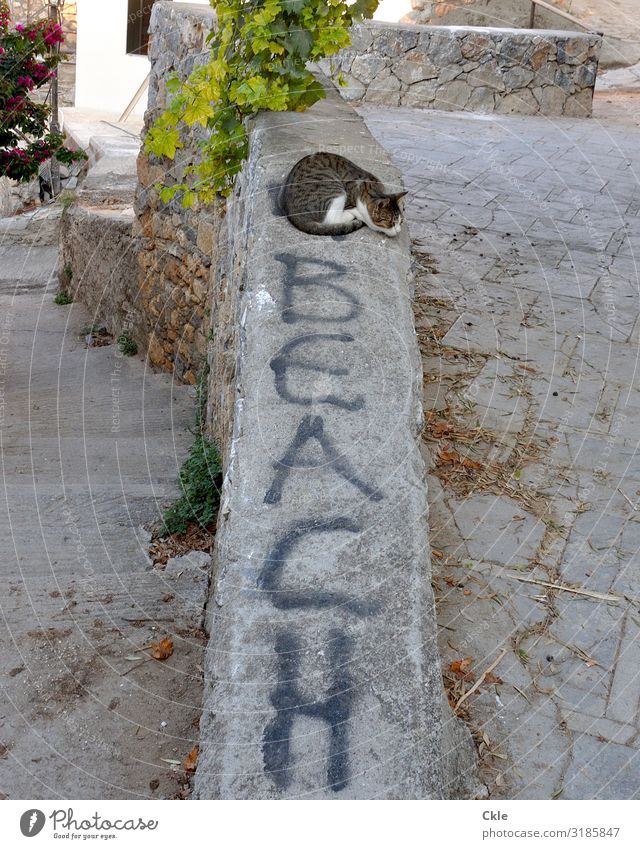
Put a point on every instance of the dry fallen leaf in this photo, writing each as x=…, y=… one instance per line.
x=162, y=649
x=462, y=668
x=440, y=429
x=190, y=763
x=437, y=553
x=449, y=455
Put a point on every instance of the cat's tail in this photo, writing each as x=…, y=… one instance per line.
x=319, y=228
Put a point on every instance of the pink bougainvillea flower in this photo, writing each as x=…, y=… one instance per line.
x=19, y=28
x=40, y=71
x=54, y=35
x=14, y=104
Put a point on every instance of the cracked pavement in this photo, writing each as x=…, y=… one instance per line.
x=525, y=235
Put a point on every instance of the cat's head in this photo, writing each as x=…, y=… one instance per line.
x=387, y=213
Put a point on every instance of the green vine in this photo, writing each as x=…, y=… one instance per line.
x=259, y=57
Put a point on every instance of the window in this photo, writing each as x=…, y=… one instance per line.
x=139, y=15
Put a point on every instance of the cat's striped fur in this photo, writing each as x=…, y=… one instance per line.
x=326, y=194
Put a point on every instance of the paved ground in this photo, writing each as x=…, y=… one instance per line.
x=526, y=234
x=90, y=444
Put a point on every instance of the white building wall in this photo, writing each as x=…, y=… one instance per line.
x=106, y=76
x=392, y=10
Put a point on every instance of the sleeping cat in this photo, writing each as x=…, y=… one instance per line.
x=328, y=195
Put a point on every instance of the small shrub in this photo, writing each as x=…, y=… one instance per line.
x=200, y=475
x=63, y=298
x=67, y=198
x=127, y=345
x=200, y=481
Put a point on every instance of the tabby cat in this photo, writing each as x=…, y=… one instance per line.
x=328, y=195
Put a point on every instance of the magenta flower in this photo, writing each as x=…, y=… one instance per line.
x=40, y=71
x=53, y=35
x=15, y=103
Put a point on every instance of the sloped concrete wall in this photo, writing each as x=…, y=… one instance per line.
x=322, y=678
x=471, y=69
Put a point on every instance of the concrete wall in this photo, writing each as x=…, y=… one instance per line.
x=471, y=69
x=322, y=677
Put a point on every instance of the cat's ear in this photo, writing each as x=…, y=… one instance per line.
x=400, y=195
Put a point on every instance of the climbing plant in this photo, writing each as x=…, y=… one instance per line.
x=28, y=60
x=259, y=60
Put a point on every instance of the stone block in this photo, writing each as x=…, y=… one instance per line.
x=477, y=46
x=384, y=90
x=367, y=67
x=551, y=100
x=564, y=80
x=517, y=77
x=453, y=95
x=580, y=105
x=415, y=68
x=395, y=41
x=420, y=94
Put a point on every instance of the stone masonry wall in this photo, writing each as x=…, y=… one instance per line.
x=472, y=69
x=174, y=245
x=98, y=265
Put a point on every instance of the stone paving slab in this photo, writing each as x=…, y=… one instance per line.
x=526, y=234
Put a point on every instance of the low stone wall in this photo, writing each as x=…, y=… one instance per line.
x=174, y=245
x=141, y=265
x=322, y=677
x=474, y=69
x=98, y=265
